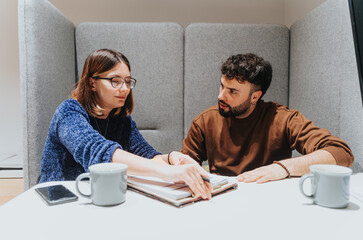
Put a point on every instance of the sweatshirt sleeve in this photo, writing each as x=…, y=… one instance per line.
x=86, y=145
x=194, y=143
x=305, y=137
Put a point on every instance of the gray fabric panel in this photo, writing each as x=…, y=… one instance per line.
x=155, y=52
x=207, y=46
x=47, y=74
x=324, y=83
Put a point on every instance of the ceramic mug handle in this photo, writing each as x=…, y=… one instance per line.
x=79, y=178
x=301, y=183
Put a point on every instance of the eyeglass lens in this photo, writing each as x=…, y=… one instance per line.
x=119, y=82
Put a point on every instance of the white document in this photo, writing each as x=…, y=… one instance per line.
x=171, y=190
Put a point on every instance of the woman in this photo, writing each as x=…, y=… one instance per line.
x=94, y=126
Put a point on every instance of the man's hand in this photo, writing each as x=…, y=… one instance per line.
x=297, y=166
x=263, y=174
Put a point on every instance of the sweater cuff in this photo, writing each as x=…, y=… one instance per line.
x=341, y=157
x=153, y=154
x=110, y=151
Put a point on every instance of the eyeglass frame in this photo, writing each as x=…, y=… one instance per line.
x=110, y=79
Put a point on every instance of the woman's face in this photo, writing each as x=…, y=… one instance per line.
x=107, y=96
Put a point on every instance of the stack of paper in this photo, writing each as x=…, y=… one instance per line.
x=171, y=190
x=175, y=193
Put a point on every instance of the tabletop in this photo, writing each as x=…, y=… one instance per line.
x=253, y=211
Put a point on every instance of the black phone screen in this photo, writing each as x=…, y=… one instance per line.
x=56, y=194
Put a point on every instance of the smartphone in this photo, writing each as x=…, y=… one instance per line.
x=56, y=194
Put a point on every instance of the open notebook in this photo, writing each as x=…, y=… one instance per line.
x=174, y=193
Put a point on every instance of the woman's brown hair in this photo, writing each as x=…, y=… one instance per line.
x=96, y=63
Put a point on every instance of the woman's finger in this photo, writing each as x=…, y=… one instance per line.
x=198, y=181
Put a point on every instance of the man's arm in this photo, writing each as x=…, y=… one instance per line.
x=194, y=143
x=317, y=145
x=296, y=166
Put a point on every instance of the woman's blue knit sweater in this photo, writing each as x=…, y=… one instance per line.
x=75, y=141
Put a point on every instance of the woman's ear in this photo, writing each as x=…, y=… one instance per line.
x=93, y=84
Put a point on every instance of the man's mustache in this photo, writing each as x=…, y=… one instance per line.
x=221, y=101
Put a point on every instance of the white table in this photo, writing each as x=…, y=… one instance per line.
x=274, y=210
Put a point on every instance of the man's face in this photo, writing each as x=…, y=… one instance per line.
x=235, y=98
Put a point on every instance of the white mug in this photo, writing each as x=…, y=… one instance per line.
x=108, y=183
x=329, y=185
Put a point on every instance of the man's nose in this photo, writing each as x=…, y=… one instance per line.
x=221, y=95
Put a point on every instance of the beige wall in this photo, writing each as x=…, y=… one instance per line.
x=183, y=12
x=296, y=9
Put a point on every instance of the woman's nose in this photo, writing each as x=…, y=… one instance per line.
x=124, y=88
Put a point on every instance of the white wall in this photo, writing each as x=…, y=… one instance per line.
x=10, y=113
x=183, y=12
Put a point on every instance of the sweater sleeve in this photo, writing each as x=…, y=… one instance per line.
x=305, y=137
x=138, y=145
x=86, y=145
x=194, y=143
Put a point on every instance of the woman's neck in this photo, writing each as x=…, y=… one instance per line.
x=105, y=114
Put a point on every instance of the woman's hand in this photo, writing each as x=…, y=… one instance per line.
x=191, y=175
x=187, y=171
x=178, y=158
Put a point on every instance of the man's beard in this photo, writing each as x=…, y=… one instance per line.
x=235, y=111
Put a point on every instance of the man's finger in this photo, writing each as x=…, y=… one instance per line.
x=262, y=180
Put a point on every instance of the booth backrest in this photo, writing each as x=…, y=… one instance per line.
x=178, y=71
x=207, y=46
x=155, y=52
x=47, y=75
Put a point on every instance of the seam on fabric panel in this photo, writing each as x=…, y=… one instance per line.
x=148, y=129
x=26, y=89
x=288, y=69
x=183, y=83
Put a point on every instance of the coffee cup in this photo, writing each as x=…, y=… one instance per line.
x=329, y=185
x=108, y=183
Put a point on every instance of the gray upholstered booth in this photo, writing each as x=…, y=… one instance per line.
x=207, y=46
x=314, y=70
x=52, y=53
x=323, y=81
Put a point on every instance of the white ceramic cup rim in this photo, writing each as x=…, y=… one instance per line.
x=328, y=169
x=108, y=167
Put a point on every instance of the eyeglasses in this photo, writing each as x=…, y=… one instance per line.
x=118, y=82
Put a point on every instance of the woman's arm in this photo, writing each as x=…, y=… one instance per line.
x=88, y=147
x=85, y=144
x=189, y=173
x=175, y=158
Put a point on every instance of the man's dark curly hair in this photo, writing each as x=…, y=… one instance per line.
x=249, y=67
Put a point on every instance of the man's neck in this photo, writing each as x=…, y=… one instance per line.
x=247, y=113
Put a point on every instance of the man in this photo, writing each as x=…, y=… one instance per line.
x=246, y=137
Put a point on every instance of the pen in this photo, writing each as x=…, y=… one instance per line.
x=205, y=179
